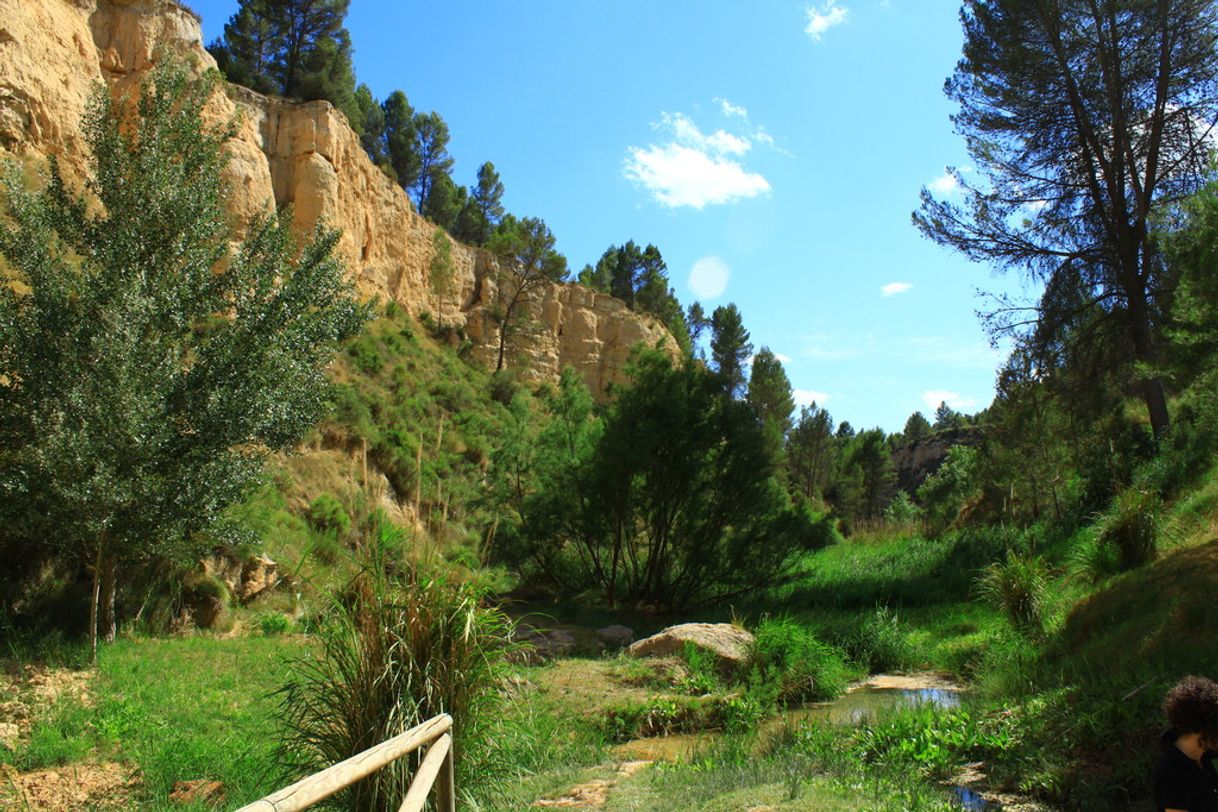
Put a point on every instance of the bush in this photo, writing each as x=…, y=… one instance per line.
x=274, y=623
x=327, y=514
x=1131, y=527
x=1094, y=561
x=503, y=386
x=1016, y=587
x=396, y=652
x=879, y=643
x=789, y=656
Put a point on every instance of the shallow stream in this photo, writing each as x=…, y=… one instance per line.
x=861, y=703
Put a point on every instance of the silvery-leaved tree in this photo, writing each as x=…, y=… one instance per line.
x=148, y=365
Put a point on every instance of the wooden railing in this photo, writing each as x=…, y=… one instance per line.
x=437, y=763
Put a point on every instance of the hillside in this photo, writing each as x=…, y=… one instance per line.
x=302, y=155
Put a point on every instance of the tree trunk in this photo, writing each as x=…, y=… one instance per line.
x=1144, y=353
x=97, y=565
x=107, y=620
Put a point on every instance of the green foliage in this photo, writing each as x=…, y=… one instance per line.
x=946, y=492
x=146, y=389
x=901, y=510
x=866, y=477
x=442, y=272
x=527, y=261
x=400, y=149
x=878, y=642
x=59, y=735
x=703, y=676
x=916, y=428
x=398, y=651
x=730, y=348
x=1011, y=85
x=274, y=623
x=1094, y=560
x=296, y=48
x=431, y=150
x=1017, y=587
x=811, y=452
x=1131, y=527
x=897, y=572
x=799, y=666
x=770, y=395
x=483, y=209
x=328, y=515
x=675, y=503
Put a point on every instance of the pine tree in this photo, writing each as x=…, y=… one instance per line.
x=1082, y=119
x=400, y=147
x=770, y=391
x=527, y=260
x=296, y=48
x=371, y=125
x=916, y=428
x=431, y=150
x=730, y=348
x=487, y=199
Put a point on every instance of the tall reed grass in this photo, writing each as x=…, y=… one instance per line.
x=397, y=648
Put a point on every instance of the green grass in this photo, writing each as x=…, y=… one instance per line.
x=193, y=708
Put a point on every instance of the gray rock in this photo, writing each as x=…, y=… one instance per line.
x=615, y=636
x=731, y=645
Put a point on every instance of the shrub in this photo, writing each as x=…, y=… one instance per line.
x=1094, y=561
x=396, y=652
x=801, y=667
x=1016, y=587
x=901, y=510
x=364, y=353
x=326, y=548
x=1131, y=526
x=879, y=643
x=274, y=623
x=327, y=514
x=702, y=676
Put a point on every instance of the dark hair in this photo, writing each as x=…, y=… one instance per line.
x=1192, y=707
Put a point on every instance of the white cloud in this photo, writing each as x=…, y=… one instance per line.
x=709, y=277
x=893, y=288
x=806, y=397
x=731, y=110
x=822, y=18
x=933, y=397
x=685, y=132
x=694, y=168
x=786, y=359
x=682, y=176
x=945, y=185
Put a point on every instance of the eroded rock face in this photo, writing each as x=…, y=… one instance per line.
x=731, y=645
x=54, y=52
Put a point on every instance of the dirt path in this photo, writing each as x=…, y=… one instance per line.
x=595, y=793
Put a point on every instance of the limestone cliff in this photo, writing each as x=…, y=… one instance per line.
x=53, y=52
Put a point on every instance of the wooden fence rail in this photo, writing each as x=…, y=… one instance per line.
x=437, y=764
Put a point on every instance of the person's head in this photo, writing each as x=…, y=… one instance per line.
x=1192, y=707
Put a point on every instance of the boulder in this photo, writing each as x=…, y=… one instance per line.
x=615, y=636
x=731, y=645
x=542, y=645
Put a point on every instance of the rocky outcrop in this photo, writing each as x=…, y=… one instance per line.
x=52, y=54
x=917, y=461
x=731, y=645
x=244, y=578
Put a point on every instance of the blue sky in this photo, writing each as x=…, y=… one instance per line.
x=772, y=150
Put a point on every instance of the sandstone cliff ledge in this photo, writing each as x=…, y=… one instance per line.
x=53, y=52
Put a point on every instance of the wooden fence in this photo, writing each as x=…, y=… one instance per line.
x=436, y=764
